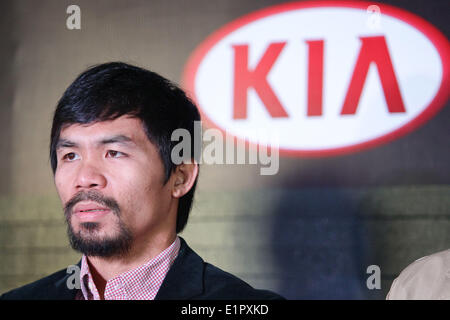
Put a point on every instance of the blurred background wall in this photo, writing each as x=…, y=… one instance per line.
x=308, y=232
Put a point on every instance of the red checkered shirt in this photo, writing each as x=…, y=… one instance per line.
x=141, y=283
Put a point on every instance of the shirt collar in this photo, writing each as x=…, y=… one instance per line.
x=142, y=282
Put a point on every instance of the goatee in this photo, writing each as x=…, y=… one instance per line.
x=86, y=239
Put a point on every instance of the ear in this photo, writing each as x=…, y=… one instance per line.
x=184, y=178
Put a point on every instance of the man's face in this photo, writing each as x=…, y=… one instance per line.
x=110, y=179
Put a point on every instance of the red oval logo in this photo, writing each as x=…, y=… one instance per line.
x=326, y=77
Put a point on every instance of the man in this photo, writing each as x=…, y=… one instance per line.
x=427, y=278
x=124, y=199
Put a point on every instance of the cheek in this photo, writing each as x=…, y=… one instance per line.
x=140, y=194
x=130, y=189
x=62, y=187
x=66, y=183
x=140, y=178
x=137, y=191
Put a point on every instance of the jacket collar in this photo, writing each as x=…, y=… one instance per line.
x=185, y=278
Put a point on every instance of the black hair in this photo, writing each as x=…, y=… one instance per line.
x=108, y=91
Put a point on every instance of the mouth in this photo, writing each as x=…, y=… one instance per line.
x=90, y=211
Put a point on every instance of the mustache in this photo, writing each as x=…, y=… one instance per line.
x=94, y=196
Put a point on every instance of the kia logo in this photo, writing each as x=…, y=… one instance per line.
x=327, y=77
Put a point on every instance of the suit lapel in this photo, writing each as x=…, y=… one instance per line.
x=185, y=278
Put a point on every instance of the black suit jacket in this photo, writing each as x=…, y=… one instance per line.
x=188, y=278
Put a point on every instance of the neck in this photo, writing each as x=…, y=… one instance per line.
x=104, y=269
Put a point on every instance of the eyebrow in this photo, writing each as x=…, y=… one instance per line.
x=122, y=139
x=117, y=139
x=65, y=143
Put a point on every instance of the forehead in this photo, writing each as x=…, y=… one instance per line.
x=125, y=125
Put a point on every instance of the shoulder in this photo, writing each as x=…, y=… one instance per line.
x=190, y=277
x=41, y=289
x=219, y=284
x=425, y=278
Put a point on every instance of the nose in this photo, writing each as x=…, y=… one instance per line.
x=90, y=176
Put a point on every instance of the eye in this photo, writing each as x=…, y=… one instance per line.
x=71, y=156
x=114, y=154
